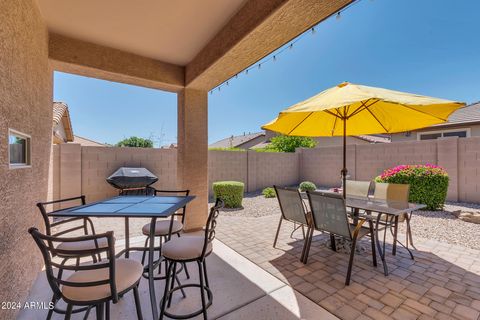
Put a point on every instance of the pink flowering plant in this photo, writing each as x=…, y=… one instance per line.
x=428, y=183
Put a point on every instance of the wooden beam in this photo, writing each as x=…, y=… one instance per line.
x=260, y=27
x=92, y=60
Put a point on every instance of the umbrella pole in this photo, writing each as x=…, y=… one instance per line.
x=344, y=170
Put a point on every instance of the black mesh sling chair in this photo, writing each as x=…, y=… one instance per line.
x=70, y=225
x=329, y=214
x=91, y=284
x=292, y=209
x=190, y=249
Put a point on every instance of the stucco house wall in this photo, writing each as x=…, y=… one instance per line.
x=413, y=136
x=26, y=106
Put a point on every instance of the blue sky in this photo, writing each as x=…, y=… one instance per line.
x=429, y=47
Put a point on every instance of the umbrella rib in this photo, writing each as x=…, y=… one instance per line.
x=334, y=125
x=290, y=132
x=375, y=117
x=424, y=113
x=364, y=106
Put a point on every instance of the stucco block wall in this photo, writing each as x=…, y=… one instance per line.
x=268, y=168
x=372, y=159
x=469, y=169
x=227, y=165
x=80, y=170
x=322, y=165
x=26, y=106
x=460, y=157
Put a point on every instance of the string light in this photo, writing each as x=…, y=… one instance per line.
x=281, y=50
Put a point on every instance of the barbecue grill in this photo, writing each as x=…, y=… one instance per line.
x=132, y=179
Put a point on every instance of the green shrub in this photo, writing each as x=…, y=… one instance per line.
x=428, y=183
x=231, y=192
x=290, y=143
x=307, y=186
x=269, y=192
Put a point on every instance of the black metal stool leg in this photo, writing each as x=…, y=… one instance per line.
x=50, y=311
x=144, y=254
x=100, y=311
x=166, y=292
x=209, y=293
x=202, y=289
x=138, y=306
x=68, y=313
x=174, y=276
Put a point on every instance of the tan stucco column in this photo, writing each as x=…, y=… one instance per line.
x=192, y=156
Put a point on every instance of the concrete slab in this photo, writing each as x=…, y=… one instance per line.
x=240, y=289
x=281, y=304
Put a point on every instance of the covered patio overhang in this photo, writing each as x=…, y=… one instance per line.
x=183, y=47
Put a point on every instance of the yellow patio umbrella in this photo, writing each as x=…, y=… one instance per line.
x=367, y=110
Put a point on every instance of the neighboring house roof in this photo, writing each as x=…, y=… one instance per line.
x=469, y=114
x=374, y=138
x=87, y=142
x=61, y=116
x=464, y=116
x=236, y=141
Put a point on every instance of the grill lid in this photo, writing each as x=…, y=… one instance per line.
x=125, y=178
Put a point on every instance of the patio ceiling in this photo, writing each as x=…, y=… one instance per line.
x=173, y=44
x=165, y=30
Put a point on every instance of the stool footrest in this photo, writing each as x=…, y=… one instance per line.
x=195, y=313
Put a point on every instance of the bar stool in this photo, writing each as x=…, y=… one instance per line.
x=162, y=227
x=190, y=249
x=92, y=284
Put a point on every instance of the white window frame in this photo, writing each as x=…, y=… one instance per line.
x=28, y=154
x=419, y=134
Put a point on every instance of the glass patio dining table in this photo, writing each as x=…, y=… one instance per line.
x=385, y=211
x=133, y=207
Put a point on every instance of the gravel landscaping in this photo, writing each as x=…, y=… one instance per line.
x=439, y=225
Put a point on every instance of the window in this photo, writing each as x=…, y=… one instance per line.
x=430, y=136
x=461, y=133
x=19, y=149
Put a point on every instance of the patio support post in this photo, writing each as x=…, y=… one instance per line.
x=192, y=154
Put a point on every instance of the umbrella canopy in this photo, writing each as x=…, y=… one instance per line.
x=367, y=110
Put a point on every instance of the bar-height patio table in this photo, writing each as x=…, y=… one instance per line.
x=133, y=207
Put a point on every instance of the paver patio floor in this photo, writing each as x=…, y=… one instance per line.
x=443, y=282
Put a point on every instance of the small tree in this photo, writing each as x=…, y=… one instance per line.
x=135, y=142
x=289, y=143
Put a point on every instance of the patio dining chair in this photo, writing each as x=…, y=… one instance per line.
x=74, y=224
x=292, y=209
x=91, y=284
x=358, y=188
x=190, y=249
x=329, y=214
x=395, y=192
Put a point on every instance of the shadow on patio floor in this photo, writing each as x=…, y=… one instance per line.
x=241, y=290
x=440, y=283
